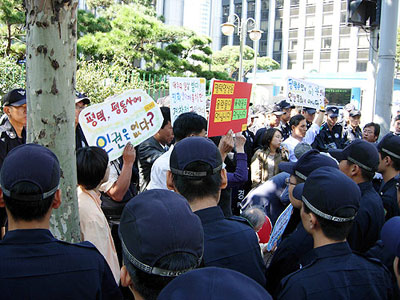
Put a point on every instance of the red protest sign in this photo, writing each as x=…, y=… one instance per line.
x=229, y=107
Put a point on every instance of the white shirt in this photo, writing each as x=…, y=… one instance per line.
x=290, y=143
x=158, y=174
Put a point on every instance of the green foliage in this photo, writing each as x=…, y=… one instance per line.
x=88, y=23
x=100, y=80
x=12, y=15
x=94, y=4
x=12, y=75
x=227, y=60
x=137, y=36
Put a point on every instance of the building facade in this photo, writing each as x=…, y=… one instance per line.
x=304, y=34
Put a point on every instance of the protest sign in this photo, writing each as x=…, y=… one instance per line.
x=229, y=107
x=186, y=95
x=303, y=93
x=131, y=117
x=279, y=227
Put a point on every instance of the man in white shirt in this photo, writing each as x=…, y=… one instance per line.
x=187, y=124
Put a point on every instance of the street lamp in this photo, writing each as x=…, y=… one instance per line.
x=228, y=29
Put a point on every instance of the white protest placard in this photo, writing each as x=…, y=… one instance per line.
x=303, y=93
x=187, y=94
x=131, y=117
x=280, y=227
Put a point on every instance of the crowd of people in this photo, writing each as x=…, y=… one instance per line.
x=183, y=216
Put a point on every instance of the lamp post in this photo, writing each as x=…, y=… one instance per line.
x=228, y=29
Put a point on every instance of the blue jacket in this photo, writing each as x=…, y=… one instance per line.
x=231, y=243
x=369, y=220
x=334, y=272
x=35, y=265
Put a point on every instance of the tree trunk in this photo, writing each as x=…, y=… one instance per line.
x=9, y=40
x=51, y=70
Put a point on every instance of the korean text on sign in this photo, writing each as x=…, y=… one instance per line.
x=229, y=107
x=303, y=93
x=130, y=117
x=187, y=95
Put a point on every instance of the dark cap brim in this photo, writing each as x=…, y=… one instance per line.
x=17, y=103
x=278, y=113
x=337, y=154
x=333, y=115
x=287, y=167
x=84, y=100
x=298, y=191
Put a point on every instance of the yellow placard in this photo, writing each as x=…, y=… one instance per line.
x=149, y=106
x=202, y=80
x=223, y=116
x=223, y=104
x=222, y=88
x=244, y=127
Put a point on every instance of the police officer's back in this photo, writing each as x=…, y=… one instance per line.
x=197, y=174
x=34, y=264
x=331, y=271
x=359, y=161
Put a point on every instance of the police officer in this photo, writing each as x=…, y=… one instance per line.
x=309, y=114
x=35, y=265
x=284, y=126
x=353, y=131
x=330, y=134
x=330, y=201
x=12, y=129
x=359, y=161
x=389, y=167
x=197, y=174
x=288, y=255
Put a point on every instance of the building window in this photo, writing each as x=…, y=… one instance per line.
x=344, y=30
x=309, y=32
x=264, y=25
x=361, y=66
x=293, y=33
x=277, y=46
x=311, y=2
x=326, y=43
x=294, y=2
x=238, y=8
x=279, y=3
x=293, y=44
x=265, y=5
x=278, y=24
x=344, y=55
x=343, y=5
x=327, y=31
x=277, y=57
x=294, y=12
x=251, y=6
x=362, y=54
x=325, y=55
x=310, y=10
x=225, y=10
x=308, y=55
x=328, y=8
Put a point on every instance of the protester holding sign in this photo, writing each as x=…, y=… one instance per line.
x=301, y=134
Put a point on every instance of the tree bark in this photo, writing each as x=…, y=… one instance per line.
x=51, y=69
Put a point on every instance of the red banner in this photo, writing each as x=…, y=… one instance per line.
x=229, y=107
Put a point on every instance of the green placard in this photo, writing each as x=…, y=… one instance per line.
x=240, y=103
x=239, y=114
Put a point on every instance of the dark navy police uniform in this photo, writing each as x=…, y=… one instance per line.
x=388, y=192
x=231, y=243
x=369, y=220
x=334, y=272
x=35, y=265
x=329, y=139
x=9, y=139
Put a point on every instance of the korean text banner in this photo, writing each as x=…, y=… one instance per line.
x=229, y=107
x=129, y=117
x=187, y=94
x=303, y=93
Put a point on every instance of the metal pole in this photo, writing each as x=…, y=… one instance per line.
x=386, y=64
x=243, y=32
